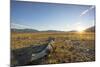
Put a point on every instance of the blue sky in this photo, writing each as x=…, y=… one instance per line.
x=46, y=16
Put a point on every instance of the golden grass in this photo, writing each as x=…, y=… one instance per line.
x=63, y=52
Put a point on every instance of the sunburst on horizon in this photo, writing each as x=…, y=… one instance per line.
x=80, y=29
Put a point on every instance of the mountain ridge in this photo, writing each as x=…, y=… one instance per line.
x=90, y=29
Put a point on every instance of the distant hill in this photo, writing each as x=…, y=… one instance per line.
x=23, y=30
x=52, y=31
x=72, y=31
x=91, y=29
x=32, y=30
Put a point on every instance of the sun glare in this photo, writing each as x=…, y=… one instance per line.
x=80, y=29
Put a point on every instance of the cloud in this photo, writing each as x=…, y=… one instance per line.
x=86, y=11
x=20, y=26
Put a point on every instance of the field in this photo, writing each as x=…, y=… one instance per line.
x=68, y=46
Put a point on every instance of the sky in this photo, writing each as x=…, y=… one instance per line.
x=51, y=16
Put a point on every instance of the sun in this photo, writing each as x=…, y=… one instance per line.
x=80, y=29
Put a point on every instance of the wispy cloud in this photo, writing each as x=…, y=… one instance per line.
x=86, y=11
x=20, y=26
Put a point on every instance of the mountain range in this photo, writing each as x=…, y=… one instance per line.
x=90, y=29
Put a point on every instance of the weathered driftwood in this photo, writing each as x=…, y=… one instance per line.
x=25, y=55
